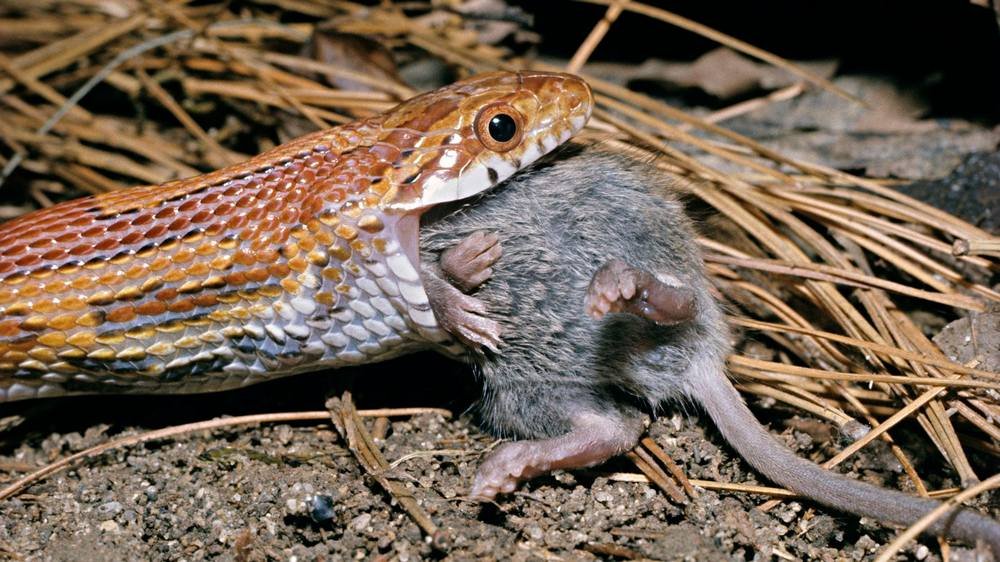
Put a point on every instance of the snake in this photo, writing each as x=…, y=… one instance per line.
x=304, y=257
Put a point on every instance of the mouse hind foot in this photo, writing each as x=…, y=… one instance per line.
x=593, y=439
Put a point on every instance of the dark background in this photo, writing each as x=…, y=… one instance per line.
x=950, y=50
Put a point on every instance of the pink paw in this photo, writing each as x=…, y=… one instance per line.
x=469, y=263
x=618, y=287
x=465, y=318
x=613, y=283
x=502, y=471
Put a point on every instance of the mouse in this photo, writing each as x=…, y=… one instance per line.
x=590, y=268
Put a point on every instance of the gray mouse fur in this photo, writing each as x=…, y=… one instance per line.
x=561, y=373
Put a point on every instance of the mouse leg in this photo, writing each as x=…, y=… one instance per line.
x=619, y=287
x=594, y=439
x=468, y=264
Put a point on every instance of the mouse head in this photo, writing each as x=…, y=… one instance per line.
x=463, y=139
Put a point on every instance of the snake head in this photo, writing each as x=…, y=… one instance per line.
x=461, y=140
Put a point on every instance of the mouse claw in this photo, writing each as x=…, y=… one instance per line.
x=462, y=316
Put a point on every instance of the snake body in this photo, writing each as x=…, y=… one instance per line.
x=301, y=258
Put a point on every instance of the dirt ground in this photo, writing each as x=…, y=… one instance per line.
x=294, y=492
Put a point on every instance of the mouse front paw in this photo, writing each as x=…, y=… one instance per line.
x=619, y=287
x=612, y=285
x=462, y=316
x=469, y=263
x=465, y=318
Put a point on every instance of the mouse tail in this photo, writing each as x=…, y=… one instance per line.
x=751, y=440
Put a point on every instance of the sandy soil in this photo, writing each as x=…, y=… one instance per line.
x=294, y=491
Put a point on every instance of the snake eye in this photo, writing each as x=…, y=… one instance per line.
x=499, y=127
x=502, y=127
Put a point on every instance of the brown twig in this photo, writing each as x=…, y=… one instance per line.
x=977, y=247
x=647, y=466
x=224, y=156
x=711, y=485
x=748, y=106
x=888, y=350
x=926, y=521
x=90, y=84
x=751, y=364
x=600, y=29
x=678, y=474
x=360, y=442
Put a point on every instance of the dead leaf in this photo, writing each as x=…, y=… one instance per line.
x=725, y=73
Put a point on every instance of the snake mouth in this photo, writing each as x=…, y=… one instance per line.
x=563, y=103
x=409, y=225
x=431, y=215
x=408, y=233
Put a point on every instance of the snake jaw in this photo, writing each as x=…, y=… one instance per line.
x=408, y=233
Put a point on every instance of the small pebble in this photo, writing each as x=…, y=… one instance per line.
x=321, y=509
x=109, y=510
x=361, y=522
x=787, y=515
x=852, y=431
